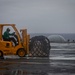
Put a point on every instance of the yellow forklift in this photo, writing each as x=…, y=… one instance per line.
x=35, y=46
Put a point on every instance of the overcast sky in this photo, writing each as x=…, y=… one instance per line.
x=40, y=16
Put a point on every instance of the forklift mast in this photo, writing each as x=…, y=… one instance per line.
x=25, y=39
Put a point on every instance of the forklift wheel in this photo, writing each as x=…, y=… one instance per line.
x=21, y=52
x=1, y=54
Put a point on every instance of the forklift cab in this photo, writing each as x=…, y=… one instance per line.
x=8, y=48
x=8, y=30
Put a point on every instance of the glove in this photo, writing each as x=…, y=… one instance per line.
x=13, y=33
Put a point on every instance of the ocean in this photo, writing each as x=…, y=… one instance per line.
x=67, y=36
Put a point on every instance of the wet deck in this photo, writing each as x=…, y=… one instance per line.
x=61, y=62
x=36, y=66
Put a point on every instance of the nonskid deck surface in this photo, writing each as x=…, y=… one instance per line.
x=36, y=66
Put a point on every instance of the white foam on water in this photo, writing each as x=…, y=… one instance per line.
x=62, y=58
x=62, y=49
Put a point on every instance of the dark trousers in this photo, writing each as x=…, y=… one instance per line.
x=11, y=39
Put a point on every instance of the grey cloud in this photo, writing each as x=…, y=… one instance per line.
x=55, y=16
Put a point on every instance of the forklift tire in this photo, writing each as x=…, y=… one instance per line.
x=39, y=46
x=21, y=52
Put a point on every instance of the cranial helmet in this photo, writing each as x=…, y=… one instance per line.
x=8, y=29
